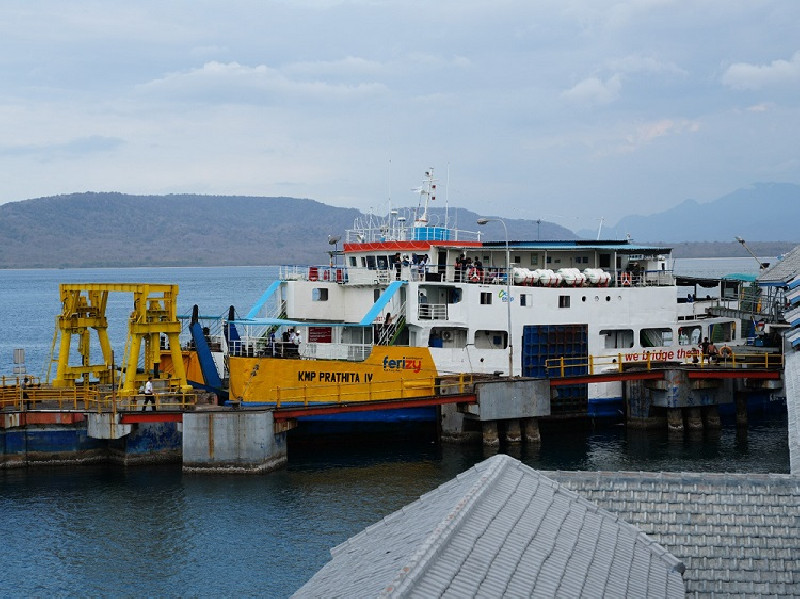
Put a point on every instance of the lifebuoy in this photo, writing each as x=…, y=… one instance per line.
x=472, y=274
x=725, y=352
x=625, y=277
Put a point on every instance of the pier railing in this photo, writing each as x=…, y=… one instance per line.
x=87, y=398
x=610, y=363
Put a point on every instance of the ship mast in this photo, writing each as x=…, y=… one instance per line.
x=426, y=193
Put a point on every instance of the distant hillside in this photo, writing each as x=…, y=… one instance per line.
x=112, y=229
x=759, y=212
x=105, y=229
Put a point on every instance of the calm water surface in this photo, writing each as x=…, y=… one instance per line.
x=154, y=531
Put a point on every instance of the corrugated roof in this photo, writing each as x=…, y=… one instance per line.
x=738, y=534
x=782, y=271
x=791, y=374
x=499, y=529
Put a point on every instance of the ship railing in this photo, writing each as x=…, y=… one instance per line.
x=351, y=352
x=644, y=278
x=432, y=311
x=326, y=273
x=383, y=233
x=213, y=331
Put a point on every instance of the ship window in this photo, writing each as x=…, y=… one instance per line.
x=617, y=338
x=689, y=336
x=655, y=337
x=524, y=299
x=563, y=301
x=534, y=260
x=383, y=262
x=319, y=294
x=486, y=297
x=604, y=261
x=371, y=262
x=490, y=339
x=517, y=260
x=352, y=260
x=549, y=259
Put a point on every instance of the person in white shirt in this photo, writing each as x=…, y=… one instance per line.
x=148, y=394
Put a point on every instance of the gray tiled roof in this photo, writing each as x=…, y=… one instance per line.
x=784, y=270
x=499, y=529
x=791, y=375
x=738, y=534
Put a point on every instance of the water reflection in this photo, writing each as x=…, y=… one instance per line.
x=108, y=530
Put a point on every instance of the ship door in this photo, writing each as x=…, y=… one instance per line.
x=541, y=343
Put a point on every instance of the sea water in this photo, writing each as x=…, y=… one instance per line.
x=154, y=531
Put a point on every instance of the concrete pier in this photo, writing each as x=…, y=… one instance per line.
x=513, y=433
x=491, y=438
x=694, y=419
x=675, y=419
x=232, y=441
x=530, y=430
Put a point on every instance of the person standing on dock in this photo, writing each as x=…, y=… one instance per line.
x=148, y=394
x=25, y=385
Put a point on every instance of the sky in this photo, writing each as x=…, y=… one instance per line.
x=569, y=111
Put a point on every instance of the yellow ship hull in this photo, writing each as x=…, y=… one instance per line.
x=388, y=373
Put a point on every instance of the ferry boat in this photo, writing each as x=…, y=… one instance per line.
x=411, y=302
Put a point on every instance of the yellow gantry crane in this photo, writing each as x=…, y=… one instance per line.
x=155, y=313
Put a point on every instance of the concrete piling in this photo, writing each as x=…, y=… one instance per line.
x=491, y=438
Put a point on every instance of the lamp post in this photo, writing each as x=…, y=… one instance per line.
x=483, y=221
x=761, y=265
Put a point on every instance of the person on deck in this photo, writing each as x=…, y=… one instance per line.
x=387, y=327
x=461, y=267
x=712, y=353
x=148, y=394
x=704, y=347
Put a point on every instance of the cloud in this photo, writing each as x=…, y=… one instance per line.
x=762, y=107
x=644, y=64
x=645, y=133
x=236, y=83
x=348, y=66
x=594, y=90
x=76, y=147
x=746, y=76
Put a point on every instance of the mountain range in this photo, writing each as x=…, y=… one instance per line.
x=758, y=212
x=111, y=229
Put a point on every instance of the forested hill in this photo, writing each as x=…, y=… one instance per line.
x=109, y=229
x=113, y=229
x=98, y=229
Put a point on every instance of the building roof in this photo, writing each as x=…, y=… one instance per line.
x=738, y=534
x=499, y=529
x=623, y=246
x=791, y=375
x=783, y=270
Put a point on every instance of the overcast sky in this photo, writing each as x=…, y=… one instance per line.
x=566, y=110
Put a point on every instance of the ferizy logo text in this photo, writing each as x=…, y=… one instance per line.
x=402, y=364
